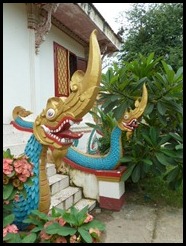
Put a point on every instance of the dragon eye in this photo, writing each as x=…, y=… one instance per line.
x=50, y=113
x=126, y=116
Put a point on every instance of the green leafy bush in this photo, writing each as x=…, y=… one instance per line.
x=67, y=226
x=157, y=144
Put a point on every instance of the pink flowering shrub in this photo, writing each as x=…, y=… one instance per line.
x=17, y=171
x=61, y=226
x=66, y=226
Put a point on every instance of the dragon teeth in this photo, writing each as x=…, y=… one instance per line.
x=71, y=122
x=46, y=129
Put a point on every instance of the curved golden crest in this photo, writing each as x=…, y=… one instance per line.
x=84, y=87
x=52, y=126
x=129, y=120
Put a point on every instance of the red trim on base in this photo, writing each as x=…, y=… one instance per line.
x=116, y=174
x=21, y=128
x=111, y=203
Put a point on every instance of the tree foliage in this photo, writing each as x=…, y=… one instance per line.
x=158, y=28
x=157, y=144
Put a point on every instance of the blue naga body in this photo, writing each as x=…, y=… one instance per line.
x=25, y=205
x=106, y=162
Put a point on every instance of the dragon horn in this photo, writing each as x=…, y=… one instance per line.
x=84, y=87
x=140, y=105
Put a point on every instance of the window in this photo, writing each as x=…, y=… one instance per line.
x=65, y=64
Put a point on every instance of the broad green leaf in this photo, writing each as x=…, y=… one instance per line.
x=148, y=140
x=55, y=228
x=146, y=167
x=169, y=71
x=70, y=218
x=7, y=154
x=31, y=238
x=179, y=74
x=179, y=146
x=162, y=159
x=41, y=215
x=162, y=120
x=150, y=58
x=147, y=161
x=126, y=159
x=36, y=229
x=161, y=108
x=149, y=109
x=94, y=224
x=153, y=135
x=128, y=172
x=7, y=190
x=176, y=136
x=164, y=139
x=12, y=238
x=136, y=174
x=81, y=216
x=168, y=152
x=172, y=174
x=35, y=221
x=29, y=182
x=8, y=220
x=59, y=210
x=85, y=235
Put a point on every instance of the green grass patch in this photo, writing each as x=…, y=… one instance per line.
x=154, y=190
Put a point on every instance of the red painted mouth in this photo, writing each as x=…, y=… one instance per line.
x=62, y=134
x=132, y=125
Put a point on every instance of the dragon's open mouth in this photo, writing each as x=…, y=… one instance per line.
x=131, y=125
x=62, y=134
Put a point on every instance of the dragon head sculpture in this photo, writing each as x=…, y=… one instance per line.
x=52, y=126
x=129, y=121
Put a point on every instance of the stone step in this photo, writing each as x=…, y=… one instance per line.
x=50, y=169
x=58, y=182
x=66, y=197
x=84, y=202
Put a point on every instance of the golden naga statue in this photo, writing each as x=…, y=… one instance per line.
x=51, y=129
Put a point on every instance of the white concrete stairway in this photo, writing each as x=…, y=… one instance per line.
x=63, y=195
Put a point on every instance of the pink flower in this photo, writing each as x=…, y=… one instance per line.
x=61, y=221
x=73, y=239
x=44, y=235
x=6, y=202
x=88, y=218
x=16, y=198
x=23, y=167
x=22, y=178
x=48, y=223
x=12, y=228
x=5, y=231
x=60, y=240
x=7, y=166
